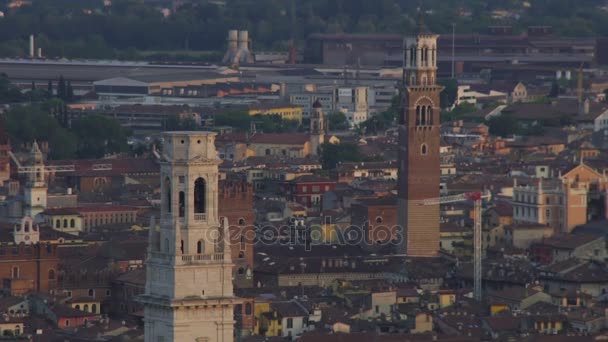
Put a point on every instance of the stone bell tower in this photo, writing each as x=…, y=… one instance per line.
x=317, y=128
x=419, y=140
x=35, y=190
x=189, y=294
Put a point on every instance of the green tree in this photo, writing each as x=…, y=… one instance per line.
x=332, y=154
x=98, y=136
x=457, y=112
x=69, y=92
x=338, y=121
x=449, y=93
x=25, y=124
x=9, y=92
x=238, y=119
x=175, y=123
x=554, y=92
x=61, y=88
x=49, y=89
x=502, y=125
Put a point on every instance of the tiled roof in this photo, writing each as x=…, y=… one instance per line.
x=312, y=179
x=88, y=209
x=137, y=276
x=570, y=241
x=280, y=138
x=513, y=293
x=120, y=166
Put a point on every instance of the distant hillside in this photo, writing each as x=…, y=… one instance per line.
x=88, y=28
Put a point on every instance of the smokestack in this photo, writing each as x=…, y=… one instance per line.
x=32, y=46
x=233, y=40
x=244, y=40
x=238, y=48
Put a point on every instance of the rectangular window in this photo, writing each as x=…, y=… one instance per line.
x=290, y=323
x=316, y=188
x=377, y=309
x=304, y=189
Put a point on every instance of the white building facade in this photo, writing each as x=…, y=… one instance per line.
x=189, y=294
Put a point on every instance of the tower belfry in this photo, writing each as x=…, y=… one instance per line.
x=189, y=294
x=419, y=140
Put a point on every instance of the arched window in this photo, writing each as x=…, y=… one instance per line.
x=72, y=223
x=423, y=149
x=241, y=270
x=65, y=223
x=199, y=196
x=15, y=273
x=241, y=222
x=94, y=308
x=51, y=274
x=424, y=57
x=77, y=307
x=86, y=307
x=200, y=247
x=417, y=115
x=267, y=152
x=168, y=194
x=58, y=224
x=91, y=292
x=423, y=116
x=248, y=309
x=378, y=219
x=412, y=56
x=182, y=203
x=241, y=255
x=429, y=112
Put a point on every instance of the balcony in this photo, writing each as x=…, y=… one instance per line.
x=200, y=217
x=203, y=258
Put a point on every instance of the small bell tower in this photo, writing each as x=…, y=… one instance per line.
x=317, y=128
x=26, y=232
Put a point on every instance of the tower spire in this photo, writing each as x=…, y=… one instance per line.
x=420, y=27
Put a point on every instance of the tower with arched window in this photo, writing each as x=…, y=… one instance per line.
x=26, y=232
x=189, y=293
x=419, y=140
x=317, y=128
x=35, y=190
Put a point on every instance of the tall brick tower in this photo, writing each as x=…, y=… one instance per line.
x=419, y=136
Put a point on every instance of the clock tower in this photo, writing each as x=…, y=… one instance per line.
x=419, y=139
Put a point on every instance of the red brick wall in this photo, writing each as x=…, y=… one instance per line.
x=34, y=263
x=236, y=204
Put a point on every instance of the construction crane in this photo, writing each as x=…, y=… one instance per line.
x=477, y=197
x=54, y=168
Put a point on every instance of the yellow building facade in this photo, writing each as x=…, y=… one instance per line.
x=70, y=223
x=286, y=112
